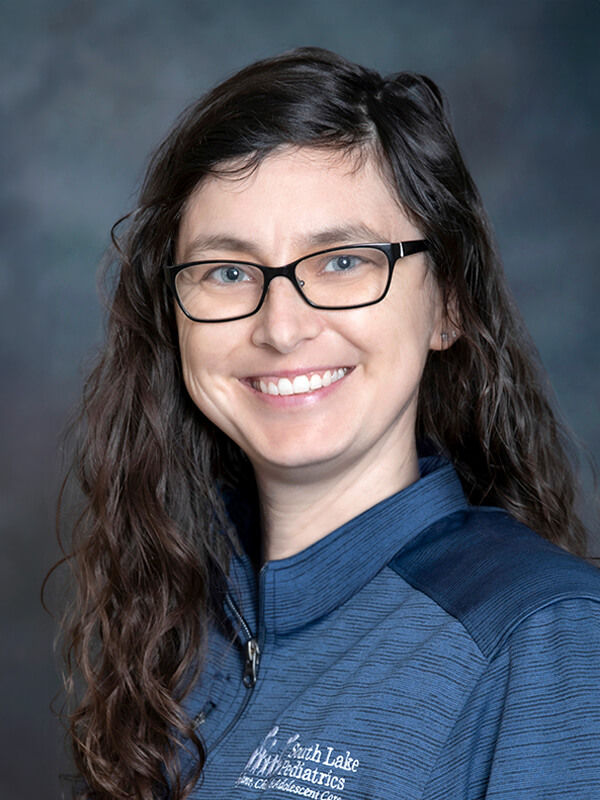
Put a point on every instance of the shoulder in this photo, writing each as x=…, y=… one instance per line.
x=491, y=573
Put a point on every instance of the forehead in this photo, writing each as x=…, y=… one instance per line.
x=293, y=198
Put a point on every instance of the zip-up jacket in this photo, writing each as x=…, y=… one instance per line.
x=425, y=650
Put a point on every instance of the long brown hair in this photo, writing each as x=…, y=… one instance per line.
x=150, y=547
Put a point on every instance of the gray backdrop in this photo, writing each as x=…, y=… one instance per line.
x=87, y=88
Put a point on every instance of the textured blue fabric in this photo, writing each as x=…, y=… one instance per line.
x=425, y=650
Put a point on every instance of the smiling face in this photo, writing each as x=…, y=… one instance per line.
x=303, y=391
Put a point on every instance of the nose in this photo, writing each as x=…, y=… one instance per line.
x=285, y=319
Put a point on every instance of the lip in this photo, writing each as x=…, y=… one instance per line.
x=290, y=374
x=302, y=398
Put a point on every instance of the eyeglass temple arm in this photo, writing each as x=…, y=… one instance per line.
x=414, y=246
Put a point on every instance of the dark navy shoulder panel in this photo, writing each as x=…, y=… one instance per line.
x=491, y=572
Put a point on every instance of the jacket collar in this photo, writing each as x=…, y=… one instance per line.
x=297, y=590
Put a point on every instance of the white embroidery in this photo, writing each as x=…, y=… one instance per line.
x=315, y=770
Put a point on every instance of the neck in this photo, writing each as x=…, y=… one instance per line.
x=298, y=510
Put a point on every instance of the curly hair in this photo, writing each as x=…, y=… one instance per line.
x=151, y=545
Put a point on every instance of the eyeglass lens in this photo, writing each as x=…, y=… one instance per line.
x=336, y=279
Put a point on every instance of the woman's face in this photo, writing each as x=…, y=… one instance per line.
x=299, y=201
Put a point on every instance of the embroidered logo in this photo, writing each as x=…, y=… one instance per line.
x=315, y=771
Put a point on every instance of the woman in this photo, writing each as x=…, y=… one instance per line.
x=317, y=446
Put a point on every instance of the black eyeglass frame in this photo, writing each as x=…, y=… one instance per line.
x=393, y=250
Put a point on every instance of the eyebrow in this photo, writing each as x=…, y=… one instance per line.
x=353, y=233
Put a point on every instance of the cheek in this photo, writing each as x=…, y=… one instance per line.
x=210, y=359
x=398, y=333
x=415, y=317
x=199, y=357
x=190, y=353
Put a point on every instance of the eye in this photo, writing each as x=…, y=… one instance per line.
x=228, y=274
x=342, y=262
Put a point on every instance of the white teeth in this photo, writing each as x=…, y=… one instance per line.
x=301, y=383
x=285, y=386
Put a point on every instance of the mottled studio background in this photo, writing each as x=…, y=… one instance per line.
x=87, y=88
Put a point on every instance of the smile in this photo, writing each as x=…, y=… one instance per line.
x=301, y=384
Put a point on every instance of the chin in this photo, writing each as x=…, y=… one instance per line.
x=291, y=457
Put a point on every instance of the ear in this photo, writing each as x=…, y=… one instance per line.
x=447, y=328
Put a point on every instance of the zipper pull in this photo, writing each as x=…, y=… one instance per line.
x=252, y=661
x=201, y=716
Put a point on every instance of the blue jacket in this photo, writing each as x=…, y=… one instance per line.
x=425, y=650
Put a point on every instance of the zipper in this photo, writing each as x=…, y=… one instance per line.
x=252, y=662
x=201, y=716
x=250, y=675
x=252, y=652
x=251, y=647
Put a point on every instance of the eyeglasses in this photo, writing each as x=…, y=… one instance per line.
x=353, y=276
